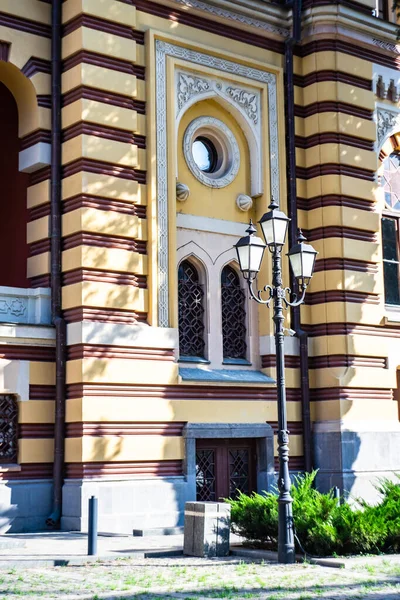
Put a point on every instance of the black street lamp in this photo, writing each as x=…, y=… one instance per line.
x=250, y=250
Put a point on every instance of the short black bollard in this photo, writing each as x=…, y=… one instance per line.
x=336, y=494
x=92, y=526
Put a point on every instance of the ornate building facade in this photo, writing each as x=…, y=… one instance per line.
x=138, y=139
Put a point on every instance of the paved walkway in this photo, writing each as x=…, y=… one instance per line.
x=72, y=547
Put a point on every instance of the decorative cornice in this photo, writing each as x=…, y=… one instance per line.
x=341, y=296
x=332, y=106
x=103, y=168
x=101, y=240
x=26, y=25
x=84, y=92
x=333, y=138
x=335, y=200
x=114, y=277
x=323, y=329
x=105, y=204
x=100, y=429
x=319, y=233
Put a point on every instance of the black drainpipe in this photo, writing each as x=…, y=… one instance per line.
x=55, y=274
x=292, y=212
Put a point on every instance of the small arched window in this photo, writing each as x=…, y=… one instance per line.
x=190, y=311
x=233, y=315
x=390, y=182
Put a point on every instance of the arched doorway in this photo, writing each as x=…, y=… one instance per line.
x=13, y=206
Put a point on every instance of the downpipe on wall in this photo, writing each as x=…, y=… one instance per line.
x=293, y=226
x=54, y=519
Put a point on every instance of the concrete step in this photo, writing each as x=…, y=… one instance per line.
x=158, y=531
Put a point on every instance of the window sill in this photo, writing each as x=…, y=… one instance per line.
x=392, y=314
x=236, y=361
x=193, y=359
x=9, y=468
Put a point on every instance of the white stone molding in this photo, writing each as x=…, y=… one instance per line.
x=229, y=151
x=164, y=49
x=244, y=102
x=35, y=157
x=117, y=334
x=197, y=223
x=387, y=123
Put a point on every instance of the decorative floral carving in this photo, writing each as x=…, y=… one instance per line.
x=386, y=121
x=13, y=307
x=246, y=100
x=189, y=86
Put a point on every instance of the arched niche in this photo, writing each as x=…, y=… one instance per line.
x=24, y=94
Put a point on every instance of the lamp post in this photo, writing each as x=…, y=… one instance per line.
x=250, y=251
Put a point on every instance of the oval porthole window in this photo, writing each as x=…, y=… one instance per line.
x=211, y=152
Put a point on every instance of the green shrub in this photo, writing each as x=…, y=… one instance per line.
x=322, y=527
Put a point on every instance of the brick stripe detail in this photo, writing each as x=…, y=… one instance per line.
x=331, y=106
x=40, y=281
x=351, y=233
x=23, y=24
x=173, y=428
x=188, y=18
x=115, y=277
x=21, y=352
x=341, y=296
x=294, y=427
x=335, y=200
x=30, y=471
x=103, y=241
x=105, y=204
x=4, y=51
x=351, y=329
x=39, y=247
x=327, y=361
x=100, y=60
x=36, y=65
x=42, y=392
x=89, y=93
x=80, y=351
x=269, y=361
x=333, y=138
x=41, y=135
x=103, y=168
x=340, y=264
x=346, y=393
x=36, y=431
x=331, y=75
x=165, y=468
x=102, y=25
x=334, y=169
x=296, y=463
x=179, y=392
x=103, y=315
x=39, y=211
x=343, y=360
x=39, y=176
x=371, y=54
x=109, y=133
x=44, y=100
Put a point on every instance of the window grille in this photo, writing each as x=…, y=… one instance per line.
x=191, y=311
x=391, y=264
x=8, y=429
x=233, y=315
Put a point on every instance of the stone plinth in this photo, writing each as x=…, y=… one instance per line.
x=207, y=527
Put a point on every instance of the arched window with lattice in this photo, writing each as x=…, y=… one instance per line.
x=8, y=429
x=190, y=311
x=233, y=315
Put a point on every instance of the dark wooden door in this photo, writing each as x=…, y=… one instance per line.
x=223, y=467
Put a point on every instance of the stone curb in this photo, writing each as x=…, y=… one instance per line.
x=76, y=561
x=268, y=555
